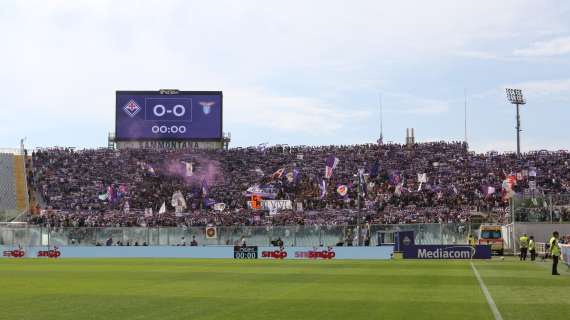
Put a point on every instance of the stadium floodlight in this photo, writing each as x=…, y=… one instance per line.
x=515, y=96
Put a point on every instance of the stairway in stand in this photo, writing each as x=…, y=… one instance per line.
x=20, y=182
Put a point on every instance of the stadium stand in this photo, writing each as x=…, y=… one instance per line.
x=436, y=182
x=8, y=192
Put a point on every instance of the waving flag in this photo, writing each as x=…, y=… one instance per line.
x=509, y=183
x=189, y=169
x=330, y=164
x=512, y=180
x=342, y=190
x=209, y=202
x=323, y=187
x=375, y=169
x=422, y=177
x=395, y=177
x=487, y=190
x=292, y=176
x=162, y=208
x=111, y=194
x=398, y=190
x=454, y=189
x=361, y=182
x=178, y=200
x=205, y=188
x=278, y=174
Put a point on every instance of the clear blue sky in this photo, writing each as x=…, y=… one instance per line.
x=296, y=72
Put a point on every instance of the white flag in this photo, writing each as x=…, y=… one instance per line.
x=189, y=169
x=162, y=208
x=422, y=177
x=178, y=200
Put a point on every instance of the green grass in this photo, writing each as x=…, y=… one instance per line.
x=228, y=289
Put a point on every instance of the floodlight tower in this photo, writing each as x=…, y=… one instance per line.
x=515, y=96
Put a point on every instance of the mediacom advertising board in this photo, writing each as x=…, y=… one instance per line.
x=174, y=115
x=405, y=244
x=447, y=252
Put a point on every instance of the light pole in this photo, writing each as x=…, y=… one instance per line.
x=515, y=96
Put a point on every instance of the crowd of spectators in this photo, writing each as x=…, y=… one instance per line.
x=107, y=187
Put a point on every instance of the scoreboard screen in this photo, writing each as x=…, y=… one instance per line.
x=168, y=115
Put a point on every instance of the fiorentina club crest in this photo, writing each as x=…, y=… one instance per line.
x=132, y=108
x=206, y=106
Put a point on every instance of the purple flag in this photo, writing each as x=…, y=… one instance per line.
x=330, y=164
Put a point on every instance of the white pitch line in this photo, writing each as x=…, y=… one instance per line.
x=490, y=301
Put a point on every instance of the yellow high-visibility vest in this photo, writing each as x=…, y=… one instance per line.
x=524, y=242
x=531, y=245
x=554, y=247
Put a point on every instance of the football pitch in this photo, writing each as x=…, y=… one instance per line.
x=238, y=289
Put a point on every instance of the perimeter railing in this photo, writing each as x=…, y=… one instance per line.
x=291, y=235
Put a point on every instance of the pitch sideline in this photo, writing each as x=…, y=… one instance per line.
x=490, y=300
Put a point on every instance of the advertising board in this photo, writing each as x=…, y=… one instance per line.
x=447, y=252
x=206, y=252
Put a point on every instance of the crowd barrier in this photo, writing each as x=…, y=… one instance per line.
x=209, y=252
x=566, y=254
x=292, y=236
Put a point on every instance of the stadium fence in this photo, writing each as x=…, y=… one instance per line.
x=529, y=207
x=298, y=236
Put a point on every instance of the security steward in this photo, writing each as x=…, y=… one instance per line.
x=471, y=240
x=555, y=252
x=523, y=242
x=532, y=248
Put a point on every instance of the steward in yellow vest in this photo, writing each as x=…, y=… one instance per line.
x=532, y=248
x=471, y=240
x=555, y=252
x=523, y=242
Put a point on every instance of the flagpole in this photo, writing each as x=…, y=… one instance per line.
x=381, y=122
x=465, y=112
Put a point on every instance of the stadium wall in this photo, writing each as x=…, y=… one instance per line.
x=170, y=145
x=541, y=231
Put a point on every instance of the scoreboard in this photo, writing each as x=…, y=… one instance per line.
x=168, y=115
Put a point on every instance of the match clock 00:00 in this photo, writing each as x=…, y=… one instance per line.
x=245, y=252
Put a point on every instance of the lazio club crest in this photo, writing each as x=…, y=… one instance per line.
x=206, y=106
x=132, y=108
